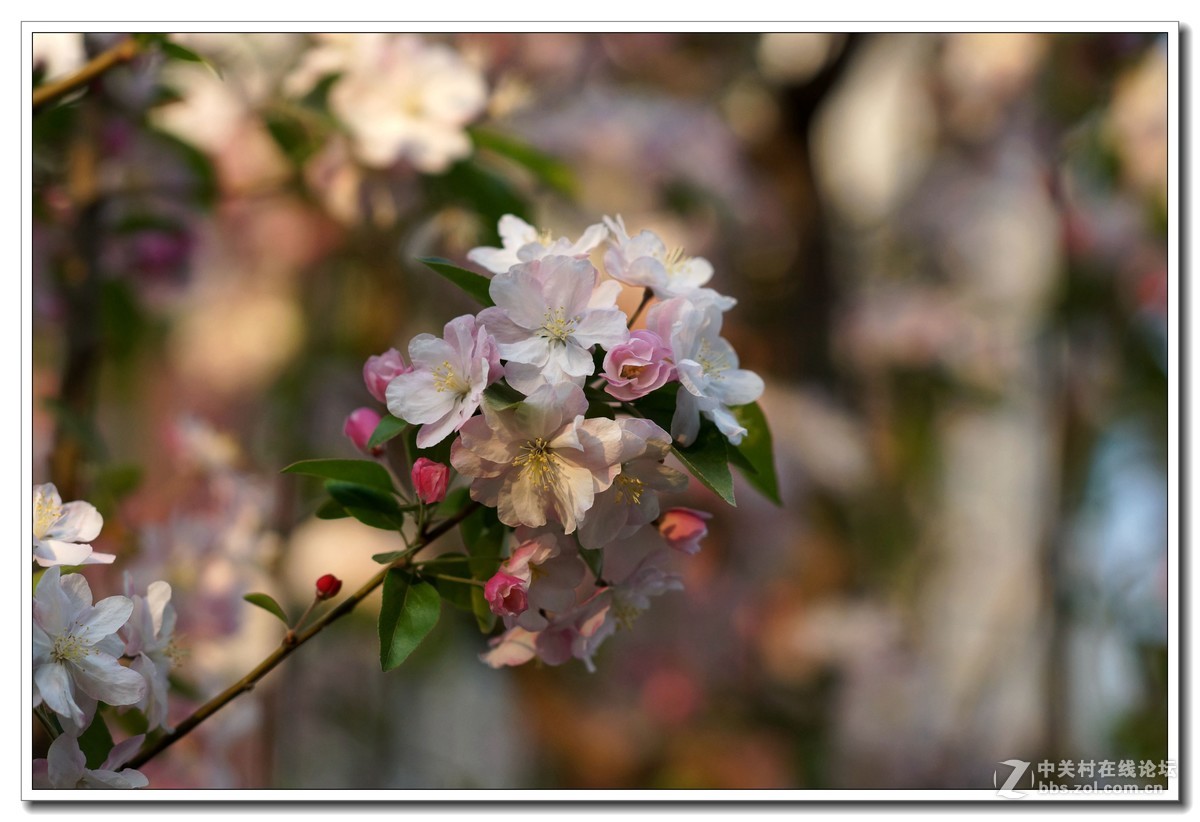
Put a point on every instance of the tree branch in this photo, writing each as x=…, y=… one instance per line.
x=122, y=52
x=291, y=643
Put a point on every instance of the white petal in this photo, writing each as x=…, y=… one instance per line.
x=414, y=398
x=104, y=619
x=685, y=424
x=65, y=761
x=737, y=387
x=80, y=522
x=517, y=294
x=604, y=326
x=102, y=677
x=54, y=684
x=57, y=552
x=515, y=232
x=495, y=260
x=158, y=596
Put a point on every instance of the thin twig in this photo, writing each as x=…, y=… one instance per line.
x=285, y=649
x=122, y=52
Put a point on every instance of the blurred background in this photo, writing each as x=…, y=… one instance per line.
x=949, y=254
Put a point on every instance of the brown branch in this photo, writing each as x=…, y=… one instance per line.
x=122, y=52
x=291, y=642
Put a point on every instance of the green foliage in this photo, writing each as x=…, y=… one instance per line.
x=549, y=170
x=389, y=427
x=707, y=459
x=178, y=52
x=409, y=612
x=360, y=472
x=268, y=604
x=366, y=504
x=96, y=742
x=476, y=285
x=594, y=558
x=755, y=457
x=330, y=509
x=481, y=190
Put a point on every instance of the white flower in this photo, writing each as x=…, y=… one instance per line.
x=149, y=641
x=644, y=260
x=523, y=243
x=632, y=500
x=65, y=767
x=399, y=97
x=447, y=381
x=551, y=568
x=539, y=461
x=548, y=314
x=707, y=365
x=61, y=532
x=75, y=651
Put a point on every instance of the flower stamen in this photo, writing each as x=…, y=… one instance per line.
x=539, y=462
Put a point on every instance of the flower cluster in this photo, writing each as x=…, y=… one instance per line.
x=79, y=647
x=557, y=417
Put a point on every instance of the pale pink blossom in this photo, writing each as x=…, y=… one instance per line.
x=632, y=500
x=379, y=370
x=683, y=528
x=707, y=367
x=638, y=366
x=549, y=565
x=523, y=243
x=75, y=650
x=644, y=260
x=548, y=314
x=149, y=641
x=65, y=766
x=429, y=480
x=447, y=381
x=539, y=461
x=62, y=531
x=360, y=425
x=399, y=97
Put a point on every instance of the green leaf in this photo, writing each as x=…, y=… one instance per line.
x=362, y=472
x=484, y=535
x=707, y=460
x=456, y=593
x=500, y=395
x=409, y=611
x=96, y=743
x=483, y=191
x=268, y=604
x=330, y=509
x=484, y=618
x=387, y=558
x=476, y=285
x=178, y=52
x=295, y=138
x=708, y=457
x=755, y=457
x=550, y=170
x=368, y=505
x=388, y=428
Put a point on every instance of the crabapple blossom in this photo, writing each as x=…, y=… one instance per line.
x=447, y=381
x=149, y=640
x=506, y=594
x=379, y=370
x=399, y=97
x=638, y=366
x=548, y=314
x=643, y=260
x=360, y=425
x=707, y=366
x=61, y=532
x=539, y=461
x=65, y=766
x=632, y=500
x=429, y=480
x=683, y=528
x=75, y=649
x=522, y=243
x=550, y=569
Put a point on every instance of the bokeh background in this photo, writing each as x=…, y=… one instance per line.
x=949, y=252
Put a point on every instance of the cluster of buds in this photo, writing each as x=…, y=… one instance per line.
x=549, y=397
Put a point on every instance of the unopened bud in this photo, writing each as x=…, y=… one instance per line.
x=359, y=427
x=328, y=586
x=430, y=479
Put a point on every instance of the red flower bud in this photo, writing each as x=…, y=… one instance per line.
x=430, y=479
x=328, y=586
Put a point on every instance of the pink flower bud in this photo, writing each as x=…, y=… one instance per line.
x=328, y=586
x=430, y=479
x=359, y=427
x=506, y=594
x=683, y=528
x=379, y=371
x=637, y=367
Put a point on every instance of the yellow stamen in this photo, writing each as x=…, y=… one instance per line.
x=557, y=325
x=539, y=462
x=45, y=513
x=445, y=378
x=629, y=489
